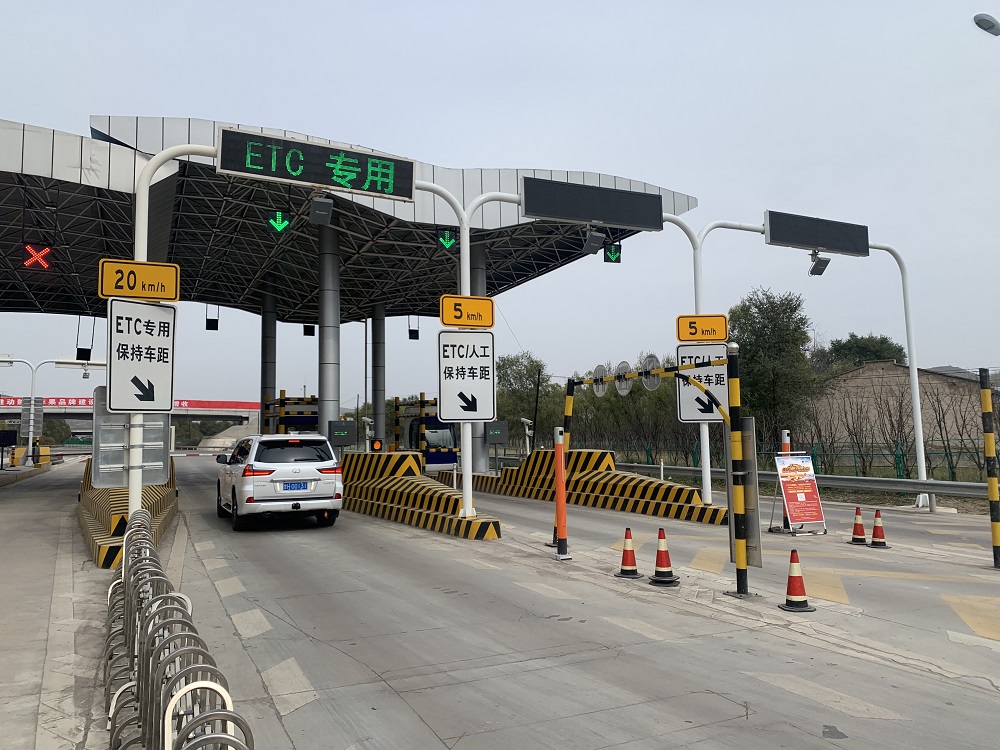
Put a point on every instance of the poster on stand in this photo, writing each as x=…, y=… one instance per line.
x=799, y=490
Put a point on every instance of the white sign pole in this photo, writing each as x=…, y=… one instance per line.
x=465, y=289
x=134, y=464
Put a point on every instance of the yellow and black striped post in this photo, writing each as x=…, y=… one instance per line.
x=738, y=472
x=568, y=410
x=396, y=428
x=422, y=440
x=990, y=443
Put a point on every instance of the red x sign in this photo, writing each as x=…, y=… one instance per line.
x=36, y=256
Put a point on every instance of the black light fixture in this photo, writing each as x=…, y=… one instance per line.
x=211, y=324
x=308, y=329
x=83, y=354
x=819, y=264
x=594, y=242
x=414, y=329
x=321, y=211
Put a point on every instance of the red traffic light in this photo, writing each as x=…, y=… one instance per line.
x=37, y=256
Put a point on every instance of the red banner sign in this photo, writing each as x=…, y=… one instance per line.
x=88, y=402
x=799, y=490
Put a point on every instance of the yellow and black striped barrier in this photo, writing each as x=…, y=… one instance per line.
x=392, y=486
x=593, y=481
x=990, y=447
x=103, y=515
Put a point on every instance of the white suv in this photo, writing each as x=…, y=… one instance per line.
x=286, y=474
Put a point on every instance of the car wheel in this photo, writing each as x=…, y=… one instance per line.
x=220, y=511
x=326, y=518
x=238, y=523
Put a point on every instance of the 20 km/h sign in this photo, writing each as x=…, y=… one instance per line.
x=140, y=356
x=466, y=376
x=157, y=282
x=702, y=328
x=692, y=404
x=466, y=312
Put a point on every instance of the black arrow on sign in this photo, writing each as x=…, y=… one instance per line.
x=468, y=402
x=145, y=391
x=705, y=407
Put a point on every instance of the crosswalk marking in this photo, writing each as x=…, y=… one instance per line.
x=846, y=704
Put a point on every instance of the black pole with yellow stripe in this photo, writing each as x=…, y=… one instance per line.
x=990, y=444
x=738, y=472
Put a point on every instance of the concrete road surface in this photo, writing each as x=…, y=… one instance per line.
x=375, y=635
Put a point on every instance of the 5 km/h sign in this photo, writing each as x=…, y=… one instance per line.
x=140, y=356
x=466, y=376
x=160, y=282
x=702, y=328
x=466, y=312
x=692, y=404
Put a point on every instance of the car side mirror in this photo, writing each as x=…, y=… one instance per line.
x=222, y=459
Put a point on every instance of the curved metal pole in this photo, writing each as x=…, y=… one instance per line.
x=697, y=242
x=911, y=361
x=139, y=253
x=27, y=454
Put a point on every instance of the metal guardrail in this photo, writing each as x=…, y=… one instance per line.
x=835, y=481
x=162, y=688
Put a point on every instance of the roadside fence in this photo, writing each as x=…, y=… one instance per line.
x=162, y=688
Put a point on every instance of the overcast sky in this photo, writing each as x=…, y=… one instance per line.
x=866, y=111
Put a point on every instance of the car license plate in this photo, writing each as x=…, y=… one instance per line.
x=289, y=486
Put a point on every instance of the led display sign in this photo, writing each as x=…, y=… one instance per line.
x=305, y=163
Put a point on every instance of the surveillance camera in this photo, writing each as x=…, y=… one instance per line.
x=367, y=420
x=86, y=374
x=526, y=422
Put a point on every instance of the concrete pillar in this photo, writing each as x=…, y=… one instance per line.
x=268, y=349
x=378, y=370
x=329, y=327
x=477, y=279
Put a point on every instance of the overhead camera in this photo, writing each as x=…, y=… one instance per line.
x=367, y=420
x=526, y=422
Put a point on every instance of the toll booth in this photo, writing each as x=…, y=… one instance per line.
x=417, y=428
x=296, y=414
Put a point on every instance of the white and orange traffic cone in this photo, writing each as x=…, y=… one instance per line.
x=858, y=535
x=878, y=533
x=629, y=568
x=663, y=574
x=795, y=596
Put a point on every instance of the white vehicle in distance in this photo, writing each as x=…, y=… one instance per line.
x=291, y=475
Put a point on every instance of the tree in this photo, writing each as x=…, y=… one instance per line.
x=55, y=431
x=776, y=379
x=856, y=350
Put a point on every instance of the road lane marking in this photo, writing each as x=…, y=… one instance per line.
x=825, y=584
x=229, y=586
x=709, y=559
x=546, y=590
x=251, y=623
x=178, y=550
x=202, y=546
x=641, y=628
x=639, y=538
x=288, y=686
x=481, y=564
x=214, y=563
x=963, y=545
x=842, y=702
x=980, y=613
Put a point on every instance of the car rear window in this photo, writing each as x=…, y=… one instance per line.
x=293, y=451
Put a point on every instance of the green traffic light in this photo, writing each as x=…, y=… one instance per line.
x=278, y=223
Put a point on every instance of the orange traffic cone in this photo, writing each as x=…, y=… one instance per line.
x=878, y=533
x=858, y=535
x=795, y=596
x=629, y=569
x=663, y=574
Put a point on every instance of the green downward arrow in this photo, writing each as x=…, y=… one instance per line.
x=447, y=240
x=278, y=223
x=614, y=254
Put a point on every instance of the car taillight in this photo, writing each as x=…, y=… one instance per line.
x=335, y=470
x=250, y=471
x=249, y=499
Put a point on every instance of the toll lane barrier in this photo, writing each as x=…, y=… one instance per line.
x=103, y=515
x=593, y=481
x=392, y=486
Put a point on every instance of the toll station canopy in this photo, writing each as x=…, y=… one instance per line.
x=67, y=201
